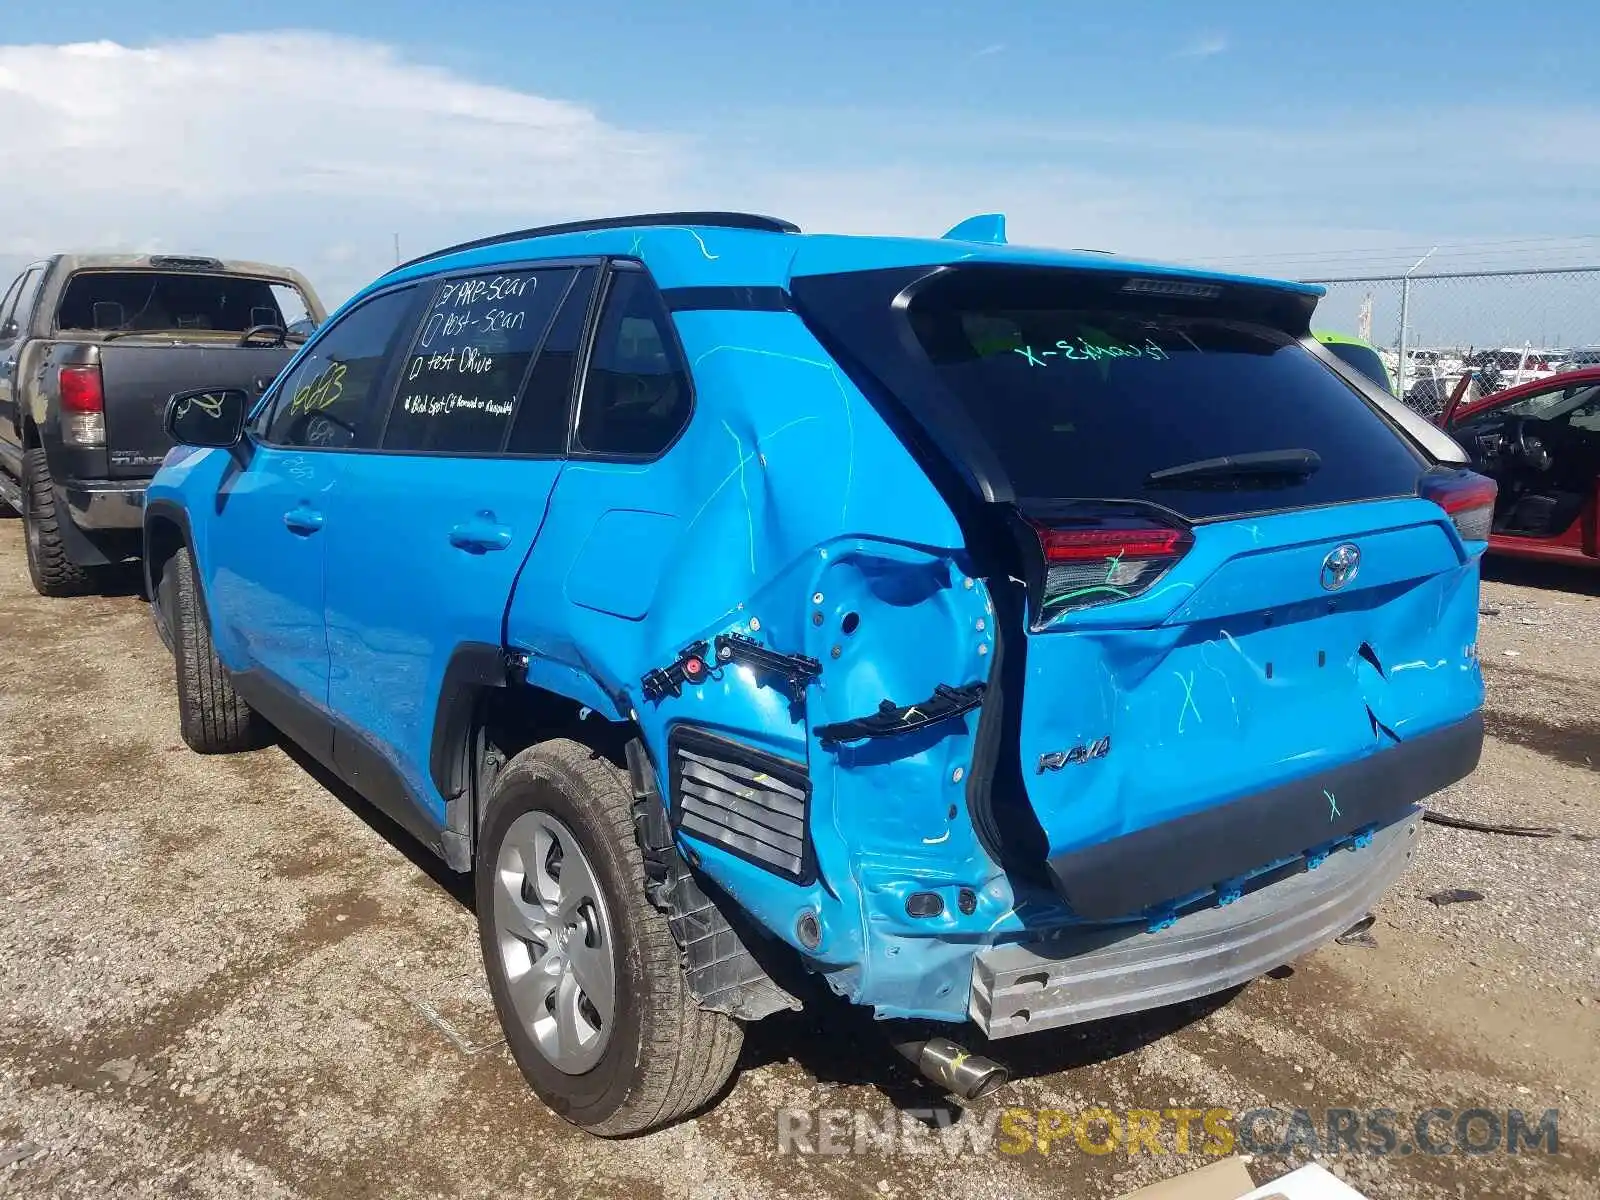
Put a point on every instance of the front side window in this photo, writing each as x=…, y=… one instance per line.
x=636, y=394
x=8, y=304
x=466, y=369
x=331, y=398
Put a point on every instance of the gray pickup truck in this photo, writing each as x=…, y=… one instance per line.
x=91, y=347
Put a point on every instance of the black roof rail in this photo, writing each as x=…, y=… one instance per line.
x=710, y=220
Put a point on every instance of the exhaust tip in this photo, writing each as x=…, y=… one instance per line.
x=969, y=1076
x=988, y=1082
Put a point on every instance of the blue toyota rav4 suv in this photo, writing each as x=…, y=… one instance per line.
x=1006, y=637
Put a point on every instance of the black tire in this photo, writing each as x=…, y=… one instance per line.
x=665, y=1056
x=53, y=573
x=213, y=718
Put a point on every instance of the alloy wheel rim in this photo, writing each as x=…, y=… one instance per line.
x=553, y=933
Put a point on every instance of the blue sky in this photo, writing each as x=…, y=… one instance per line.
x=1298, y=139
x=643, y=60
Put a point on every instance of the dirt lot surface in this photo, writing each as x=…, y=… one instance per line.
x=221, y=977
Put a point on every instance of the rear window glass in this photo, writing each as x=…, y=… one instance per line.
x=152, y=301
x=1086, y=403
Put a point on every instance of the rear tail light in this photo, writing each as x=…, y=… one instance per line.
x=1090, y=564
x=83, y=406
x=1467, y=496
x=81, y=390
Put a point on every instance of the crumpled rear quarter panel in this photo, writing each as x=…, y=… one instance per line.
x=787, y=506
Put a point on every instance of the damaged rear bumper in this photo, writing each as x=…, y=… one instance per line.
x=1084, y=975
x=1192, y=854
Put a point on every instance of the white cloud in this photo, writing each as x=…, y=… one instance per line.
x=1205, y=45
x=991, y=49
x=286, y=143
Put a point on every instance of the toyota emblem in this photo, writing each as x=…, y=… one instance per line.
x=1340, y=567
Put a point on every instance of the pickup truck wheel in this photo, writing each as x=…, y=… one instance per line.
x=584, y=972
x=212, y=717
x=52, y=572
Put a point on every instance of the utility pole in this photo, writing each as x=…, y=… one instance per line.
x=1405, y=303
x=397, y=249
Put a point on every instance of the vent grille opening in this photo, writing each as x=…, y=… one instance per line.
x=751, y=804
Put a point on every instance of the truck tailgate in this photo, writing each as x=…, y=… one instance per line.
x=139, y=378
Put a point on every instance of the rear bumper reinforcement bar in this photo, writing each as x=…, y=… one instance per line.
x=1089, y=974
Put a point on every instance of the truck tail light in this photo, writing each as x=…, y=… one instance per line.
x=83, y=406
x=1467, y=496
x=1102, y=561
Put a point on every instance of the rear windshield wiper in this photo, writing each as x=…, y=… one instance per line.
x=1262, y=464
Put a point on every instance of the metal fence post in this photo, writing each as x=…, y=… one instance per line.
x=1400, y=366
x=1405, y=296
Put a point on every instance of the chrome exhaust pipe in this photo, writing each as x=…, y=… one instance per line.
x=954, y=1069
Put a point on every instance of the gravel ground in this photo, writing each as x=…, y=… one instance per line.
x=230, y=977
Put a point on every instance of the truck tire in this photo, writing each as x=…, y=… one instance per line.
x=212, y=717
x=585, y=974
x=52, y=572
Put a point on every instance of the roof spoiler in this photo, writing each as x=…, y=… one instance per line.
x=988, y=227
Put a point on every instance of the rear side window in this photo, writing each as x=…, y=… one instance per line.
x=636, y=396
x=466, y=369
x=540, y=426
x=331, y=399
x=1088, y=402
x=26, y=299
x=156, y=301
x=17, y=306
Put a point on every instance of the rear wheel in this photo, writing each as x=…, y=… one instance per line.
x=584, y=971
x=52, y=572
x=212, y=717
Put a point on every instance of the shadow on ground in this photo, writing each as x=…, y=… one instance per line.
x=1549, y=577
x=455, y=884
x=838, y=1043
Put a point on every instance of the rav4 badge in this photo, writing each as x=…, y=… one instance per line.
x=1057, y=759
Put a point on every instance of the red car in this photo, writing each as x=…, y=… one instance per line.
x=1540, y=442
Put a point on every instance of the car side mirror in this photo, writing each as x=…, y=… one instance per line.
x=209, y=418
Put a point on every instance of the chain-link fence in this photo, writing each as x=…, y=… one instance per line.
x=1505, y=327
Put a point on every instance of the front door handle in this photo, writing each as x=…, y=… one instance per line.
x=302, y=520
x=481, y=534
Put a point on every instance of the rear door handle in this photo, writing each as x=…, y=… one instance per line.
x=302, y=520
x=481, y=534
